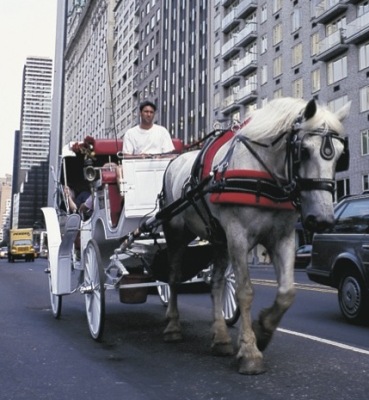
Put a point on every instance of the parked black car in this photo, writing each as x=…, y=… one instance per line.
x=340, y=257
x=303, y=256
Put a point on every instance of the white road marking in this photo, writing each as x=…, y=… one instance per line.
x=303, y=286
x=325, y=341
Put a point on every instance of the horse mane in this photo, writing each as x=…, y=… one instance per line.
x=279, y=114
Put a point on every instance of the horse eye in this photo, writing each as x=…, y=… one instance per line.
x=304, y=154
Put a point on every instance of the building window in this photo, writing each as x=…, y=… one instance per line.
x=264, y=13
x=264, y=74
x=217, y=74
x=296, y=19
x=277, y=66
x=278, y=93
x=342, y=189
x=336, y=104
x=337, y=70
x=315, y=80
x=364, y=99
x=217, y=48
x=364, y=56
x=362, y=8
x=264, y=44
x=332, y=27
x=297, y=88
x=297, y=54
x=314, y=43
x=277, y=34
x=365, y=182
x=365, y=142
x=277, y=5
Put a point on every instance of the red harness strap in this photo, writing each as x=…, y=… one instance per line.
x=251, y=192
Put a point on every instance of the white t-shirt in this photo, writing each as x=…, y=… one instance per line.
x=155, y=140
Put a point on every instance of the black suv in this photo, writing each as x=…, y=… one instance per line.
x=340, y=257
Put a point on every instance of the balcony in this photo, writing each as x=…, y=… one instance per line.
x=226, y=3
x=229, y=104
x=229, y=48
x=327, y=10
x=229, y=76
x=246, y=7
x=246, y=35
x=331, y=46
x=247, y=64
x=358, y=30
x=247, y=94
x=229, y=21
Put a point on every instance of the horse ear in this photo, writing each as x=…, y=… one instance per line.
x=310, y=109
x=343, y=112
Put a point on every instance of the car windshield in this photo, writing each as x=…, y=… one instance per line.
x=24, y=242
x=353, y=217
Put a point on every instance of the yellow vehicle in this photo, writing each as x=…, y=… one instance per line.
x=21, y=245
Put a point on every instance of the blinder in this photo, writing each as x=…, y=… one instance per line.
x=327, y=150
x=295, y=156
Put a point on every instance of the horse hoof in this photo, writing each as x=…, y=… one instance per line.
x=173, y=337
x=251, y=367
x=222, y=349
x=263, y=337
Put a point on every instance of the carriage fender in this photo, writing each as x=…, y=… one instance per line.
x=59, y=249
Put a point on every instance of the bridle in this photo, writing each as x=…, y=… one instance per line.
x=293, y=185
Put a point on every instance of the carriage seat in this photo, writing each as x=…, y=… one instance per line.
x=109, y=174
x=178, y=145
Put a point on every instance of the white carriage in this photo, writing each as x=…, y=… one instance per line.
x=86, y=255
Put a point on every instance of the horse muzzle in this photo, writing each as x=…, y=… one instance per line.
x=315, y=224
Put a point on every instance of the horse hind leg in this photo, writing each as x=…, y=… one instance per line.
x=172, y=332
x=221, y=343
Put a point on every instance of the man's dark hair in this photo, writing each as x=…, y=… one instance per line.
x=147, y=103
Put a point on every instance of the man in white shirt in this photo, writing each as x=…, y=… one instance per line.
x=147, y=137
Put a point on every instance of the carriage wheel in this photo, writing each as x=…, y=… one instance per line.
x=231, y=310
x=164, y=293
x=94, y=290
x=55, y=300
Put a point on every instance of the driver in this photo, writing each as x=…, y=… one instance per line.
x=147, y=138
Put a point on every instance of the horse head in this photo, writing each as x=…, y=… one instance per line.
x=316, y=150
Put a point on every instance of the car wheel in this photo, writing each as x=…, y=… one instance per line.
x=353, y=298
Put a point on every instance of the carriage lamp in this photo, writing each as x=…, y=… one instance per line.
x=89, y=171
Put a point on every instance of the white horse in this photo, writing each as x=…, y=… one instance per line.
x=291, y=149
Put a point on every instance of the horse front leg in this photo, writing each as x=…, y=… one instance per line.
x=222, y=343
x=269, y=318
x=249, y=357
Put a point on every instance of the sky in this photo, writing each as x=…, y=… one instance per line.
x=27, y=28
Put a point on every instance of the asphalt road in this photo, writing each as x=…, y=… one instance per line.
x=314, y=355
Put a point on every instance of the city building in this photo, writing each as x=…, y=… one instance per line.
x=5, y=205
x=319, y=49
x=32, y=143
x=126, y=60
x=35, y=112
x=88, y=65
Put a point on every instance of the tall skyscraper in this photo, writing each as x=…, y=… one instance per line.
x=35, y=112
x=31, y=170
